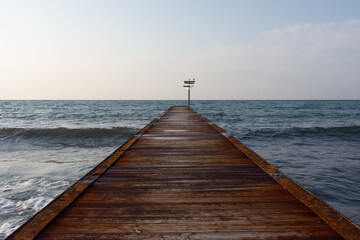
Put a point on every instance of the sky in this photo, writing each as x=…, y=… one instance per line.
x=142, y=49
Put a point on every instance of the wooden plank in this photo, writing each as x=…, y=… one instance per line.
x=182, y=177
x=269, y=235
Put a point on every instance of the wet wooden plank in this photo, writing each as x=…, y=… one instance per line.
x=182, y=177
x=269, y=235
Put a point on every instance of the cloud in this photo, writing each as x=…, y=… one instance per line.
x=318, y=37
x=302, y=61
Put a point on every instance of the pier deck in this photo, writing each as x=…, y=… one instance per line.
x=182, y=177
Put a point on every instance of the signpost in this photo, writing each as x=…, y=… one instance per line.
x=188, y=85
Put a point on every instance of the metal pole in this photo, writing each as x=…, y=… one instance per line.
x=189, y=97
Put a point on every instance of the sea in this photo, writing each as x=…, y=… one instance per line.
x=46, y=146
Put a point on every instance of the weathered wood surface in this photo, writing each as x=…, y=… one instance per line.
x=181, y=178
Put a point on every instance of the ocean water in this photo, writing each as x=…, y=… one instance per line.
x=45, y=146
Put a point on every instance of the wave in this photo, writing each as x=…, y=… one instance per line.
x=64, y=132
x=350, y=131
x=91, y=137
x=27, y=207
x=33, y=203
x=6, y=229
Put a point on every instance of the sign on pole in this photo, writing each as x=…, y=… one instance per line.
x=188, y=85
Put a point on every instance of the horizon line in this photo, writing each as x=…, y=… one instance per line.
x=328, y=99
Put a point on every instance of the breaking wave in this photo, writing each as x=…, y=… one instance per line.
x=302, y=132
x=7, y=207
x=80, y=137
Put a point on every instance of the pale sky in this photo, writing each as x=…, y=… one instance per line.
x=145, y=49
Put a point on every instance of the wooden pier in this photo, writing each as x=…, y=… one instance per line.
x=182, y=177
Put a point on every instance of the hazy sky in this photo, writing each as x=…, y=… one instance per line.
x=145, y=49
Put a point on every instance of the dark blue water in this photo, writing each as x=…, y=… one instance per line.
x=45, y=146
